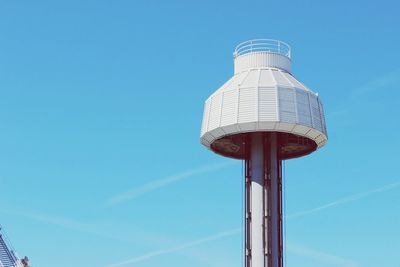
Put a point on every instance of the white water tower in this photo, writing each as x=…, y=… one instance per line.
x=263, y=115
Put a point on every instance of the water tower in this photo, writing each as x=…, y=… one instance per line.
x=263, y=115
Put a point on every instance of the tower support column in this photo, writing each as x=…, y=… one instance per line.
x=263, y=202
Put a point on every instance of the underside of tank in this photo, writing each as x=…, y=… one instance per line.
x=289, y=145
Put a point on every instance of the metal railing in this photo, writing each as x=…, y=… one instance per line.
x=8, y=256
x=263, y=45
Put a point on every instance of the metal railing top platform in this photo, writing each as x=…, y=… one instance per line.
x=263, y=45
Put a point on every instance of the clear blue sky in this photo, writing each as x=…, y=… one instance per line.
x=100, y=111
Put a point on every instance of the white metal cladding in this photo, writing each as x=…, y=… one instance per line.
x=261, y=60
x=263, y=99
x=303, y=108
x=230, y=111
x=267, y=109
x=215, y=108
x=247, y=105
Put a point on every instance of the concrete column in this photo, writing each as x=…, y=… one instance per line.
x=263, y=202
x=257, y=199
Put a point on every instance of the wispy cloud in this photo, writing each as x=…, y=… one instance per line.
x=304, y=251
x=108, y=230
x=386, y=81
x=60, y=221
x=160, y=183
x=344, y=200
x=319, y=256
x=91, y=228
x=316, y=255
x=156, y=253
x=294, y=248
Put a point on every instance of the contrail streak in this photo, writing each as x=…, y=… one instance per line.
x=294, y=248
x=63, y=222
x=316, y=255
x=345, y=200
x=320, y=256
x=385, y=82
x=157, y=184
x=177, y=248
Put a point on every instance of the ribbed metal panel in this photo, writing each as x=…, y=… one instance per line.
x=262, y=60
x=247, y=105
x=227, y=85
x=215, y=112
x=303, y=108
x=280, y=79
x=229, y=112
x=321, y=109
x=287, y=108
x=206, y=116
x=295, y=82
x=263, y=100
x=316, y=116
x=266, y=79
x=267, y=104
x=241, y=79
x=251, y=79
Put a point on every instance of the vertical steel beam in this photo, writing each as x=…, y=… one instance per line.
x=247, y=204
x=275, y=200
x=263, y=202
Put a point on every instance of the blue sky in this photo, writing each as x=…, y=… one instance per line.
x=100, y=111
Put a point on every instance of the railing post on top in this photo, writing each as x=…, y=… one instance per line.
x=263, y=45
